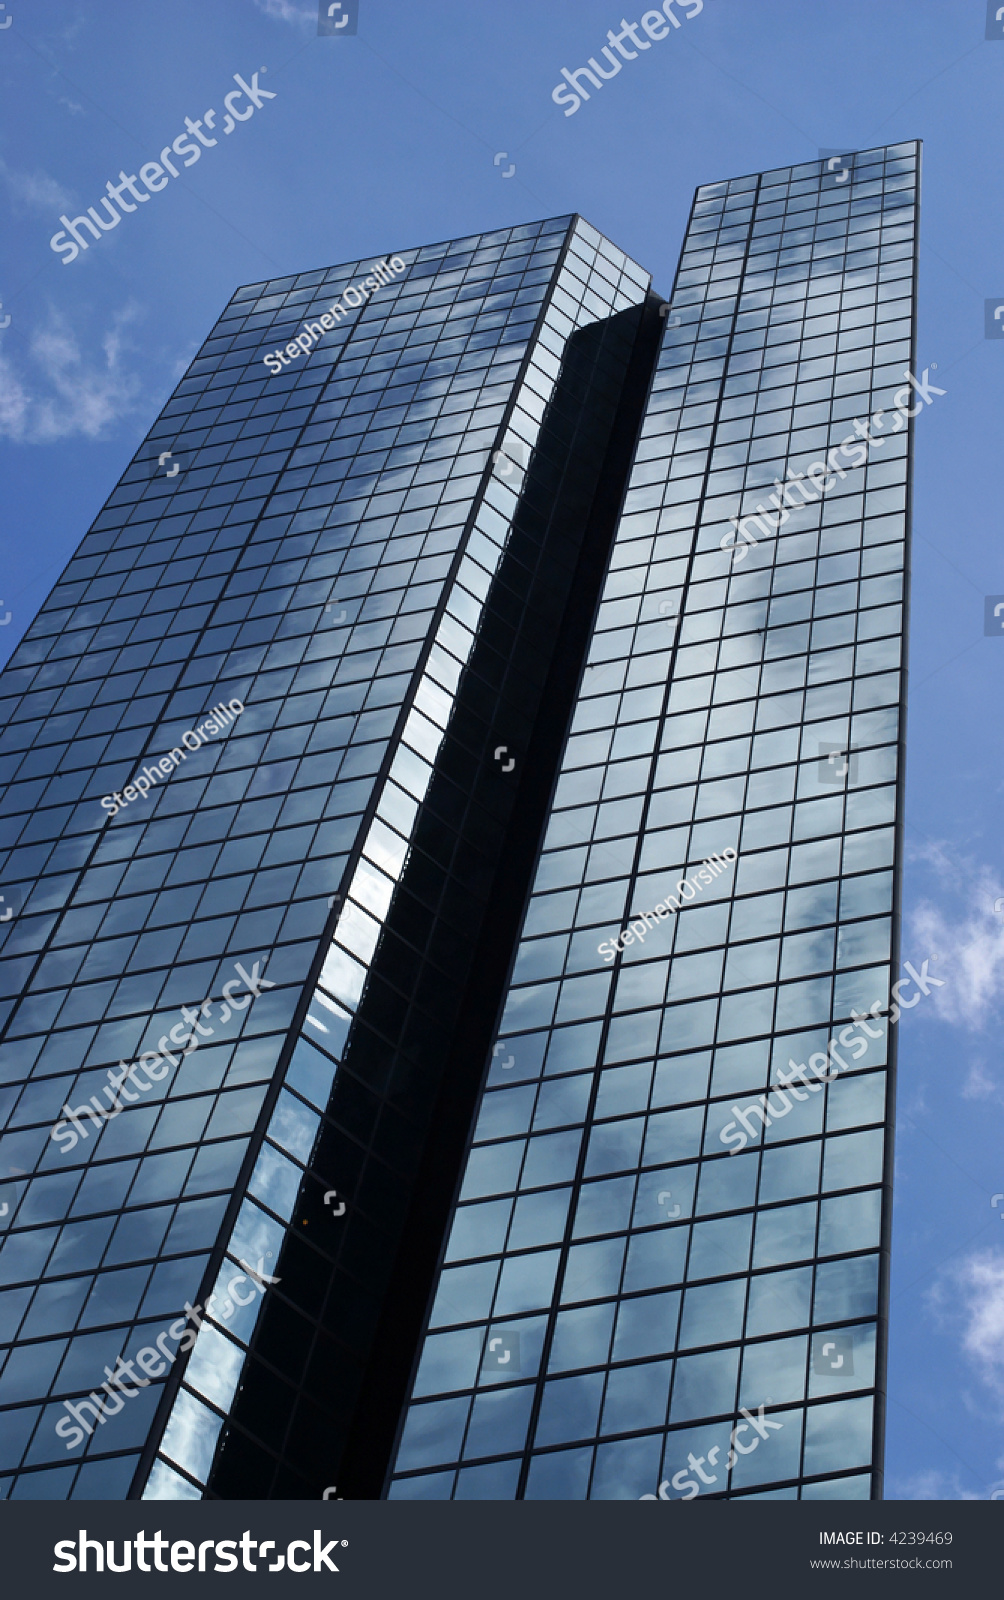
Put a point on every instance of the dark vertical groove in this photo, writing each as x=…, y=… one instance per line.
x=415, y=1056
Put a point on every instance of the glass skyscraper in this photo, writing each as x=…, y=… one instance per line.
x=339, y=1157
x=648, y=1287
x=381, y=564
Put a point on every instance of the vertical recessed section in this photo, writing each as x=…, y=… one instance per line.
x=405, y=991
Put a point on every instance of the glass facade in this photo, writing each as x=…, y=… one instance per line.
x=384, y=561
x=354, y=777
x=666, y=1273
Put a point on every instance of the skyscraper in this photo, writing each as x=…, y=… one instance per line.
x=467, y=651
x=288, y=723
x=667, y=1274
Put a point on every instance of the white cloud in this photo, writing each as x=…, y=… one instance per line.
x=181, y=363
x=35, y=189
x=283, y=11
x=970, y=1296
x=65, y=394
x=980, y=1083
x=14, y=402
x=969, y=942
x=930, y=1485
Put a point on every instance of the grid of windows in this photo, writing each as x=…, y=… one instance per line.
x=343, y=1128
x=616, y=1283
x=295, y=561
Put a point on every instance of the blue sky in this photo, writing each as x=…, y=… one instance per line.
x=395, y=137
